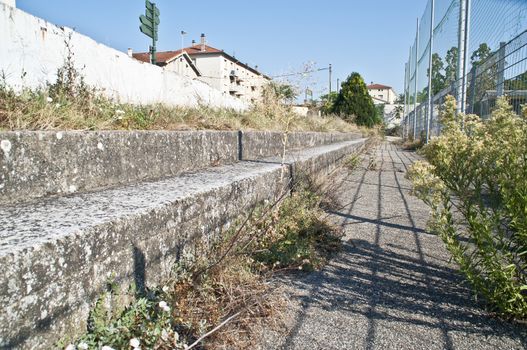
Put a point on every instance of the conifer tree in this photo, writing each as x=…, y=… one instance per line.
x=354, y=100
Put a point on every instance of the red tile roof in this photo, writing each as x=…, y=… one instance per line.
x=378, y=86
x=165, y=56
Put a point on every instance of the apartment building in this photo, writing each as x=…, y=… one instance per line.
x=382, y=94
x=216, y=68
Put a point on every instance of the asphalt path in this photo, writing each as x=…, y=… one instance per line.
x=393, y=286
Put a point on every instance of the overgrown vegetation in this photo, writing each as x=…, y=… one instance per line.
x=413, y=145
x=70, y=103
x=57, y=110
x=475, y=181
x=221, y=296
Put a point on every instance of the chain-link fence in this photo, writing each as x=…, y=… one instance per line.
x=474, y=50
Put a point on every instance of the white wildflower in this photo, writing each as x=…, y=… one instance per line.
x=164, y=335
x=119, y=111
x=49, y=99
x=134, y=343
x=83, y=346
x=165, y=289
x=300, y=267
x=70, y=347
x=176, y=336
x=164, y=306
x=106, y=347
x=57, y=105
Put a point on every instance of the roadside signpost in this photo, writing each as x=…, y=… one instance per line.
x=149, y=24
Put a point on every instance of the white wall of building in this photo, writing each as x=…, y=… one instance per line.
x=32, y=50
x=210, y=67
x=388, y=95
x=181, y=66
x=216, y=71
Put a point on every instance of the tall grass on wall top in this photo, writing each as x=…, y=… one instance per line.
x=475, y=182
x=70, y=104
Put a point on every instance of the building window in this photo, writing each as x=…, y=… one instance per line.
x=381, y=96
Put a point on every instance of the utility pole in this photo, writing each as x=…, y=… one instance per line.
x=338, y=85
x=330, y=70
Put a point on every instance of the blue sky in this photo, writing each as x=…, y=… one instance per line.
x=370, y=37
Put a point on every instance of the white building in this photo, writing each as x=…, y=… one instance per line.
x=218, y=69
x=175, y=61
x=382, y=94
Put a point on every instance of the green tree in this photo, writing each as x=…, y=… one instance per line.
x=483, y=76
x=398, y=112
x=451, y=65
x=517, y=83
x=438, y=79
x=355, y=100
x=480, y=55
x=328, y=102
x=284, y=91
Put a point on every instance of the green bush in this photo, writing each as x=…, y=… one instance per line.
x=475, y=181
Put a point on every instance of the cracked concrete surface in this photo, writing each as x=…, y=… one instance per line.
x=393, y=285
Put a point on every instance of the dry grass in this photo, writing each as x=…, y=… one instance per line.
x=412, y=145
x=44, y=110
x=227, y=284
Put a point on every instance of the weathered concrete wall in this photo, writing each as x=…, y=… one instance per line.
x=34, y=164
x=57, y=255
x=58, y=252
x=55, y=269
x=259, y=144
x=32, y=50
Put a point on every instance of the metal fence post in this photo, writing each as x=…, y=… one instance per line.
x=473, y=81
x=500, y=90
x=405, y=99
x=415, y=78
x=461, y=59
x=430, y=72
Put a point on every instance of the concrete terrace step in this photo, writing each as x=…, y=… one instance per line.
x=58, y=253
x=36, y=164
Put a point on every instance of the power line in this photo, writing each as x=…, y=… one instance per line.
x=300, y=73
